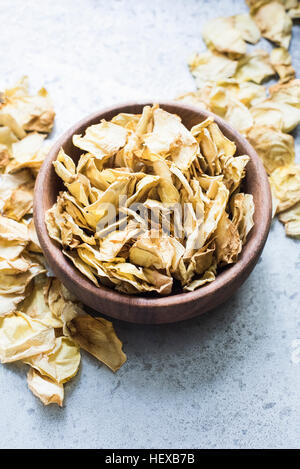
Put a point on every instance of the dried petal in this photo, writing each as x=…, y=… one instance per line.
x=247, y=28
x=273, y=22
x=9, y=303
x=27, y=153
x=220, y=34
x=291, y=220
x=254, y=67
x=60, y=364
x=211, y=67
x=22, y=337
x=285, y=182
x=97, y=336
x=102, y=140
x=22, y=112
x=282, y=62
x=275, y=148
x=228, y=241
x=45, y=389
x=242, y=207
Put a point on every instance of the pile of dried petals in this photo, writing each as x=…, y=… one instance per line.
x=41, y=323
x=229, y=82
x=151, y=202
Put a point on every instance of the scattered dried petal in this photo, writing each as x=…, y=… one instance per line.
x=255, y=66
x=60, y=364
x=22, y=337
x=285, y=182
x=97, y=336
x=274, y=147
x=273, y=22
x=221, y=35
x=291, y=220
x=211, y=67
x=282, y=62
x=45, y=389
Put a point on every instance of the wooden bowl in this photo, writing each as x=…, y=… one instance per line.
x=141, y=309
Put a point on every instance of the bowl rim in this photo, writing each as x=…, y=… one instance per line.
x=62, y=266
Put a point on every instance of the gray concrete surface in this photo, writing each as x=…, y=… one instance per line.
x=228, y=379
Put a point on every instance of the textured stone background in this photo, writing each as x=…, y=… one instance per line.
x=223, y=380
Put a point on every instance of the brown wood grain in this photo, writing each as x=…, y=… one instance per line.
x=142, y=309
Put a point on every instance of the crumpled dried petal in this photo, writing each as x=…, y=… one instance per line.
x=239, y=116
x=7, y=138
x=162, y=284
x=211, y=67
x=242, y=207
x=273, y=22
x=19, y=203
x=114, y=242
x=129, y=278
x=36, y=306
x=22, y=337
x=9, y=303
x=207, y=277
x=81, y=266
x=64, y=166
x=60, y=364
x=275, y=148
x=228, y=241
x=282, y=109
x=22, y=112
x=97, y=336
x=45, y=389
x=102, y=140
x=169, y=135
x=11, y=230
x=247, y=28
x=277, y=114
x=201, y=261
x=285, y=182
x=34, y=244
x=255, y=66
x=282, y=62
x=160, y=252
x=291, y=220
x=11, y=249
x=9, y=183
x=4, y=157
x=233, y=168
x=247, y=93
x=166, y=189
x=215, y=210
x=129, y=121
x=13, y=280
x=200, y=98
x=13, y=238
x=286, y=93
x=27, y=153
x=221, y=35
x=63, y=305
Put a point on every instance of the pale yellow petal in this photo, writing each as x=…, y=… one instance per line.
x=45, y=389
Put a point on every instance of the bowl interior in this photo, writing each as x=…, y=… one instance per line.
x=48, y=186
